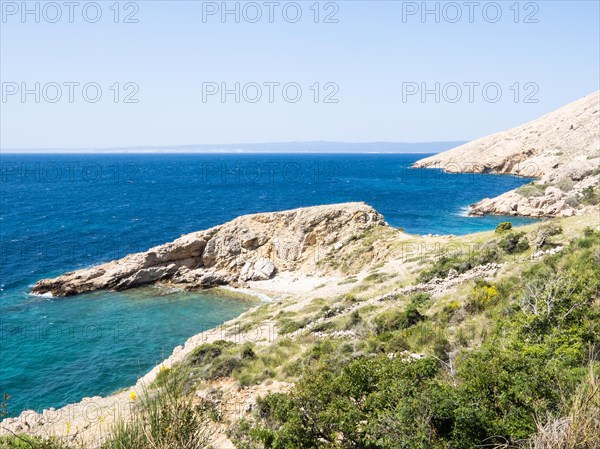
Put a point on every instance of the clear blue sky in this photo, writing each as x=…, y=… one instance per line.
x=369, y=53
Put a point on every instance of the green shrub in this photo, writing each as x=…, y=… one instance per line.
x=29, y=442
x=591, y=195
x=163, y=419
x=164, y=376
x=531, y=363
x=375, y=401
x=392, y=320
x=531, y=190
x=219, y=359
x=483, y=295
x=420, y=298
x=503, y=227
x=288, y=326
x=444, y=265
x=514, y=243
x=208, y=352
x=354, y=320
x=582, y=428
x=545, y=233
x=449, y=310
x=441, y=347
x=566, y=185
x=573, y=201
x=460, y=263
x=224, y=366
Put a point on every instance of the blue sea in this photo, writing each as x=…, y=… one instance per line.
x=63, y=212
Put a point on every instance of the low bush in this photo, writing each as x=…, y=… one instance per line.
x=165, y=418
x=288, y=326
x=395, y=320
x=531, y=190
x=514, y=243
x=29, y=442
x=483, y=295
x=566, y=185
x=532, y=361
x=207, y=352
x=503, y=227
x=460, y=263
x=580, y=428
x=420, y=298
x=591, y=195
x=543, y=236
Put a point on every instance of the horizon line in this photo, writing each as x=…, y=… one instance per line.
x=237, y=148
x=34, y=153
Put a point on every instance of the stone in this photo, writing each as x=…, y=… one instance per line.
x=263, y=269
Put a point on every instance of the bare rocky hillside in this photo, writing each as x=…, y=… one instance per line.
x=561, y=148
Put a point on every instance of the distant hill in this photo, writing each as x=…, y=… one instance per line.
x=270, y=147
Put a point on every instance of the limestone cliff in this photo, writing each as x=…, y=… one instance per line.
x=250, y=247
x=561, y=148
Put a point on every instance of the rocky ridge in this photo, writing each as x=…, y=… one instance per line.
x=561, y=149
x=248, y=248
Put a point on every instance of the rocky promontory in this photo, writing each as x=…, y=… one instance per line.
x=561, y=149
x=248, y=248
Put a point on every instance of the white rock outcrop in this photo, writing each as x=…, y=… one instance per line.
x=249, y=248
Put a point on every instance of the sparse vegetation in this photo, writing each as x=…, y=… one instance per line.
x=505, y=362
x=566, y=185
x=29, y=442
x=460, y=263
x=529, y=383
x=163, y=418
x=531, y=190
x=591, y=195
x=514, y=243
x=544, y=234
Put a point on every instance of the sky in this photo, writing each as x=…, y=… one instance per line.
x=158, y=73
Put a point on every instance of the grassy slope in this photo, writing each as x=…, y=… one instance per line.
x=456, y=331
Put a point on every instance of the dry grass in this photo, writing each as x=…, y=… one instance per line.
x=580, y=429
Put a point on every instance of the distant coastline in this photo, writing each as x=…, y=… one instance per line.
x=260, y=148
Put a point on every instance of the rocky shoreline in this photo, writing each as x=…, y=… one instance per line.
x=249, y=248
x=561, y=150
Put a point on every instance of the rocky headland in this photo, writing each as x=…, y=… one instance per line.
x=249, y=248
x=561, y=149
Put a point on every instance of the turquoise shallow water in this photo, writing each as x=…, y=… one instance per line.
x=63, y=212
x=58, y=351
